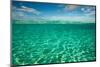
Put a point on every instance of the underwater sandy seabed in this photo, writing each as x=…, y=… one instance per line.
x=53, y=43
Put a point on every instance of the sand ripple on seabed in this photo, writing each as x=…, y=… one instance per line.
x=53, y=47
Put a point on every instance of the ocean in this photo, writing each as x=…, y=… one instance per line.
x=53, y=43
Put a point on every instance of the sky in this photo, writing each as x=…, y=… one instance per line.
x=52, y=11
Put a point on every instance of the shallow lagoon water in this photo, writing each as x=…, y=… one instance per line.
x=53, y=43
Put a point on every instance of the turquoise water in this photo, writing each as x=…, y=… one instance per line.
x=53, y=43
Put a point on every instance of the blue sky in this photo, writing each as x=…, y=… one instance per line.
x=36, y=10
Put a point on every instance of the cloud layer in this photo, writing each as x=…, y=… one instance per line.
x=43, y=11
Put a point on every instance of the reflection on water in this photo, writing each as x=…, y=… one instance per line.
x=52, y=43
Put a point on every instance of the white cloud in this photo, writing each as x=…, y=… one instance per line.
x=88, y=11
x=22, y=12
x=92, y=13
x=23, y=7
x=18, y=15
x=82, y=9
x=27, y=9
x=71, y=7
x=74, y=18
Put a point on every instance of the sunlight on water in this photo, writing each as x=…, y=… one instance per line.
x=52, y=43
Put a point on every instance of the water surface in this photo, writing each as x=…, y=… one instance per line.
x=53, y=43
